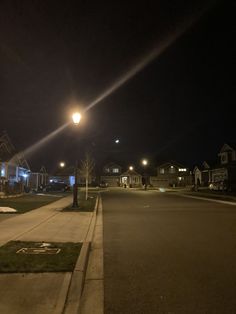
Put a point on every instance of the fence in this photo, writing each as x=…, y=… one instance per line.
x=9, y=188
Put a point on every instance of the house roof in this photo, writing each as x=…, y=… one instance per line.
x=111, y=164
x=7, y=150
x=228, y=146
x=130, y=173
x=171, y=163
x=9, y=153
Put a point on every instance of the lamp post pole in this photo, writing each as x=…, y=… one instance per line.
x=145, y=163
x=76, y=119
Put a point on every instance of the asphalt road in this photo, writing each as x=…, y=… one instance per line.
x=168, y=254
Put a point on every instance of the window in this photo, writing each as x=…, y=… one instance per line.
x=162, y=170
x=224, y=158
x=182, y=169
x=115, y=170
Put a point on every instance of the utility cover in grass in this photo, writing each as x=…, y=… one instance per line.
x=13, y=262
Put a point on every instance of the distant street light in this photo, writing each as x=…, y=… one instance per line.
x=131, y=168
x=145, y=163
x=76, y=117
x=62, y=164
x=117, y=141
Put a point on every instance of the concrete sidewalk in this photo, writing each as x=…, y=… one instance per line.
x=43, y=292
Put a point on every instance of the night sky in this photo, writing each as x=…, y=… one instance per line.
x=54, y=54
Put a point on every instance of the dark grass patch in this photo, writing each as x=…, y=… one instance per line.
x=84, y=205
x=28, y=202
x=12, y=262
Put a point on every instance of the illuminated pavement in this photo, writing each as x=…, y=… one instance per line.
x=168, y=254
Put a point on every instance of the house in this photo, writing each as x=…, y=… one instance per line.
x=130, y=178
x=14, y=168
x=111, y=174
x=202, y=174
x=225, y=171
x=171, y=174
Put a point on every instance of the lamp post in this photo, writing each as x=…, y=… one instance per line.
x=76, y=117
x=145, y=163
x=62, y=164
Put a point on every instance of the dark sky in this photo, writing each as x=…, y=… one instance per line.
x=180, y=106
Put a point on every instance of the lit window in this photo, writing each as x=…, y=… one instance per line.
x=162, y=170
x=182, y=169
x=115, y=170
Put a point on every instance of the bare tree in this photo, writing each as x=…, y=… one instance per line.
x=86, y=171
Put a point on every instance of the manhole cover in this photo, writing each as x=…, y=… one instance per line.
x=30, y=250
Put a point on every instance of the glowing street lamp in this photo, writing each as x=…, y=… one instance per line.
x=62, y=164
x=144, y=162
x=76, y=117
x=131, y=168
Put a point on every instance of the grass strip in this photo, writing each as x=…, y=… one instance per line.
x=12, y=262
x=83, y=204
x=28, y=202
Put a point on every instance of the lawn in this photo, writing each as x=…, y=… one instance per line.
x=28, y=202
x=12, y=262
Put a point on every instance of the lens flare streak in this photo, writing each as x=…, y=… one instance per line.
x=156, y=52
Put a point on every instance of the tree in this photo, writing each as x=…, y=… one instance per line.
x=86, y=170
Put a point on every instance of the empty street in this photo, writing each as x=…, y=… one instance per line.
x=164, y=253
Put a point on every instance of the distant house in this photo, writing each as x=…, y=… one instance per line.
x=171, y=174
x=202, y=174
x=130, y=178
x=111, y=174
x=65, y=175
x=14, y=168
x=225, y=171
x=37, y=179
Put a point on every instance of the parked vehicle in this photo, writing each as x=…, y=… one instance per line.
x=56, y=186
x=218, y=186
x=103, y=184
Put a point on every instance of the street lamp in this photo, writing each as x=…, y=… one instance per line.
x=62, y=164
x=131, y=168
x=76, y=117
x=145, y=163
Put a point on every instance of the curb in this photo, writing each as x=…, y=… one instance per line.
x=73, y=298
x=208, y=199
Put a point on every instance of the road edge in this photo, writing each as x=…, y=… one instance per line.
x=76, y=286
